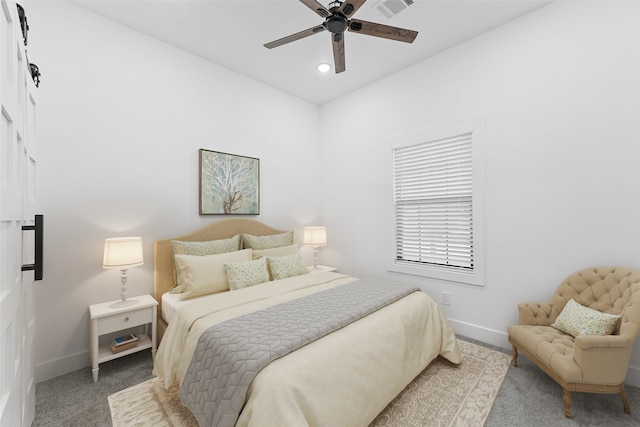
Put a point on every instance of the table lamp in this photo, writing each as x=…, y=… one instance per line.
x=123, y=253
x=315, y=237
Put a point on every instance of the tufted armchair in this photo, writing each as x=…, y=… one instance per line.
x=586, y=363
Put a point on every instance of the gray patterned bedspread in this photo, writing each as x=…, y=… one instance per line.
x=230, y=354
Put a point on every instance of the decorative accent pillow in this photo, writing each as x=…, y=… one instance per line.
x=206, y=274
x=576, y=319
x=210, y=247
x=245, y=274
x=267, y=242
x=281, y=251
x=286, y=266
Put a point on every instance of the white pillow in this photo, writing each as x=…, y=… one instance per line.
x=245, y=274
x=205, y=274
x=281, y=251
x=576, y=319
x=210, y=247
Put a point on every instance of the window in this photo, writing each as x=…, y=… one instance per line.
x=437, y=205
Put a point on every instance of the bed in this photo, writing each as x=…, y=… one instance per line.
x=344, y=377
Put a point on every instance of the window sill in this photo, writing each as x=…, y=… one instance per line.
x=475, y=277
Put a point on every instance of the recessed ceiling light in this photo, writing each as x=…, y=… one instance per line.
x=323, y=68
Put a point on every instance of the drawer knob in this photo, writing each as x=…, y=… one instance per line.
x=126, y=319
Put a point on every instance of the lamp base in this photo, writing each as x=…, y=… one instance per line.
x=123, y=303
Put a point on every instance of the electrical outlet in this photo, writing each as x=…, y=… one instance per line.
x=446, y=298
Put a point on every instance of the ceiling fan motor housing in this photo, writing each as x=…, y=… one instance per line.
x=336, y=23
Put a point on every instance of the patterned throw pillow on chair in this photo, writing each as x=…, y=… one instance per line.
x=576, y=319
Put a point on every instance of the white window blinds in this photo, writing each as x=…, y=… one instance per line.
x=433, y=199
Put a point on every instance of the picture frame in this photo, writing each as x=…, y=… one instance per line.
x=229, y=184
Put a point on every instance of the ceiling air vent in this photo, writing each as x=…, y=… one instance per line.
x=390, y=8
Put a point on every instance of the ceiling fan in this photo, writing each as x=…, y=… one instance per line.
x=337, y=19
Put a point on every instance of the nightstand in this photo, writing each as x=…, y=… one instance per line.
x=106, y=319
x=321, y=269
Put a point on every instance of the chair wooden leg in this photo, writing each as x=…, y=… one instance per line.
x=625, y=401
x=566, y=397
x=514, y=356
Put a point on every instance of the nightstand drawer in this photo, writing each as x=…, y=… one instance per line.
x=125, y=320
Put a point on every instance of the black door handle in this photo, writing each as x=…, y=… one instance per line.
x=39, y=232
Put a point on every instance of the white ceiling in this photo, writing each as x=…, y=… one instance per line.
x=232, y=34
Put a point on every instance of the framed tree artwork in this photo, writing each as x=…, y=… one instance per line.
x=229, y=184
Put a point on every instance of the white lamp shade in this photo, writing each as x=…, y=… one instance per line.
x=122, y=252
x=315, y=236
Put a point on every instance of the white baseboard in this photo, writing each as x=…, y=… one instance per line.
x=63, y=365
x=500, y=339
x=480, y=333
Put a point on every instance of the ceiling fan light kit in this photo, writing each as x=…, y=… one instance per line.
x=337, y=20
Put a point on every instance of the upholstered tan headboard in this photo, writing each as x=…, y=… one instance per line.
x=163, y=255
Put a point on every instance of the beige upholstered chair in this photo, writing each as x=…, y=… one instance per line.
x=587, y=363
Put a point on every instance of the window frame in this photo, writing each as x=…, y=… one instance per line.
x=475, y=126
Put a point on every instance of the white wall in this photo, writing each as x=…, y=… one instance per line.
x=121, y=119
x=560, y=95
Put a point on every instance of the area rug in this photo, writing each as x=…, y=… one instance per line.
x=443, y=395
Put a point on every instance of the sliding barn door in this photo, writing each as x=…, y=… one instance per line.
x=17, y=191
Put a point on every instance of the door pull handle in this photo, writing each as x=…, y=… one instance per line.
x=37, y=266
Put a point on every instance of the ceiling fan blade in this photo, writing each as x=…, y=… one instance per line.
x=294, y=37
x=316, y=7
x=384, y=31
x=349, y=7
x=337, y=40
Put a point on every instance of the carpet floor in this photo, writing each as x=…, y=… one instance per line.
x=527, y=398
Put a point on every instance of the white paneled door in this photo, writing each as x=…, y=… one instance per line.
x=17, y=198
